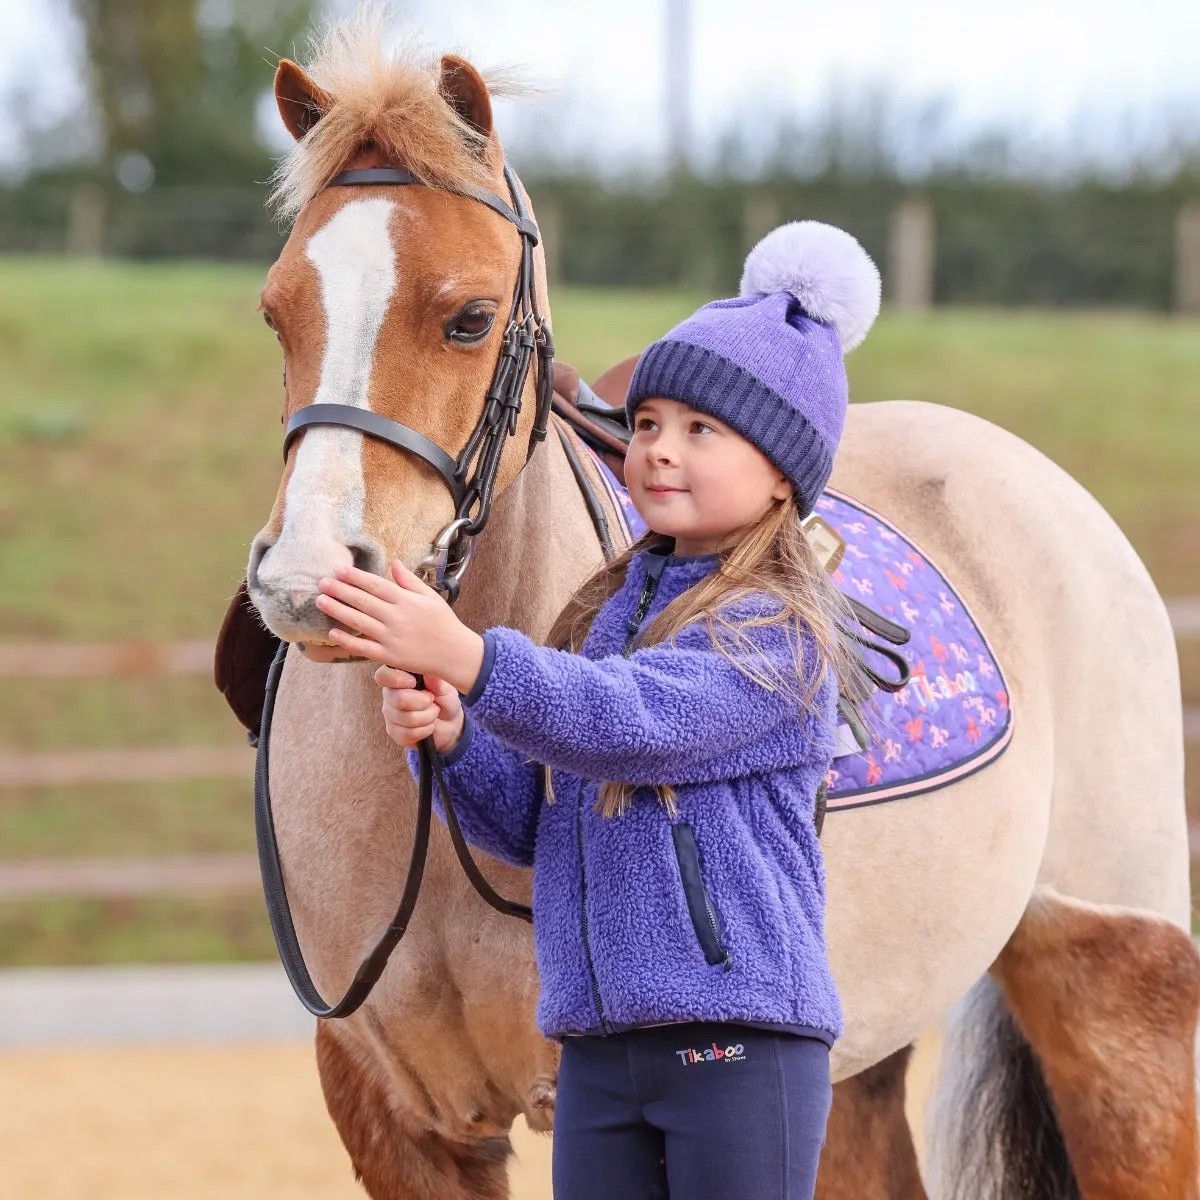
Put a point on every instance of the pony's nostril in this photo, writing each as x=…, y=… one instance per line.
x=258, y=551
x=368, y=556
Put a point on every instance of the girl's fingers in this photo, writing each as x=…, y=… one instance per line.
x=357, y=598
x=394, y=678
x=361, y=647
x=409, y=581
x=439, y=687
x=376, y=585
x=409, y=737
x=352, y=618
x=409, y=702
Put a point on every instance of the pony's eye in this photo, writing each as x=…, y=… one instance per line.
x=270, y=321
x=470, y=324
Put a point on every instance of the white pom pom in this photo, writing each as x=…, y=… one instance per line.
x=828, y=272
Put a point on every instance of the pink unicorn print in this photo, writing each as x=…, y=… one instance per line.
x=938, y=737
x=985, y=668
x=911, y=615
x=891, y=751
x=945, y=603
x=865, y=587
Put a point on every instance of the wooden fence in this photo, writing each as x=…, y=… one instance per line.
x=202, y=873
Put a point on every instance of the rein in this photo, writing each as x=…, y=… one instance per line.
x=471, y=479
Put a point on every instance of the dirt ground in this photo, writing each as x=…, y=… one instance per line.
x=222, y=1123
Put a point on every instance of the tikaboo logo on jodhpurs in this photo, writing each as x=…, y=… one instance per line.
x=714, y=1054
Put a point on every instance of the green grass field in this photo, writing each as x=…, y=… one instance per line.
x=139, y=453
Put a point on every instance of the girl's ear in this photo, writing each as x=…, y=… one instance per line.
x=782, y=489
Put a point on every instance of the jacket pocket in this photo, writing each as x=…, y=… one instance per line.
x=700, y=907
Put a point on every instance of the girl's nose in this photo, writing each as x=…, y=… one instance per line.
x=663, y=451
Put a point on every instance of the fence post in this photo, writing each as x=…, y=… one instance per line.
x=85, y=221
x=911, y=255
x=1187, y=258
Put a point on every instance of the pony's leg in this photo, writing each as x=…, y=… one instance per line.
x=392, y=1159
x=1108, y=998
x=868, y=1151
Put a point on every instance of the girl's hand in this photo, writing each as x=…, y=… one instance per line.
x=410, y=716
x=401, y=622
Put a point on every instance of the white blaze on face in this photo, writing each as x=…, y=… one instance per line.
x=356, y=264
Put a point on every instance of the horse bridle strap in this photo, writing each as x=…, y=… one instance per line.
x=365, y=176
x=384, y=429
x=525, y=335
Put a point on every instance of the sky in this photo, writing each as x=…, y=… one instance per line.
x=1098, y=73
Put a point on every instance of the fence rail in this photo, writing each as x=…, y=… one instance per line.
x=202, y=874
x=129, y=659
x=50, y=660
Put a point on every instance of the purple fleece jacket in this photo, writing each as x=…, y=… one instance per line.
x=715, y=914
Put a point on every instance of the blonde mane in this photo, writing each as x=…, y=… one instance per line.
x=389, y=99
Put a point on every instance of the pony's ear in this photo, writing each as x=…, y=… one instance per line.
x=462, y=87
x=301, y=102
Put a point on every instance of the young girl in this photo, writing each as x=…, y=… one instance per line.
x=660, y=772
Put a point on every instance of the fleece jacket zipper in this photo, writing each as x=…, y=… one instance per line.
x=632, y=626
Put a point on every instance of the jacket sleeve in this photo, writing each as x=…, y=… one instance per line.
x=656, y=717
x=496, y=792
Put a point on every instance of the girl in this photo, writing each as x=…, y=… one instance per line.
x=659, y=774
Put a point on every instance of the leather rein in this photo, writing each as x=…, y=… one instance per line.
x=471, y=478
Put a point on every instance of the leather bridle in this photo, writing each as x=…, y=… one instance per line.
x=471, y=478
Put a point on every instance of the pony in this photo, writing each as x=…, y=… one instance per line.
x=1030, y=920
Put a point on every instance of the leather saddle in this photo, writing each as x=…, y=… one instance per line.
x=245, y=647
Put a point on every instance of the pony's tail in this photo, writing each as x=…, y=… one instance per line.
x=995, y=1131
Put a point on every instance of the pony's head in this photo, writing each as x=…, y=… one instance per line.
x=391, y=299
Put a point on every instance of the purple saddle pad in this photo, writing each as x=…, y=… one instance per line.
x=953, y=717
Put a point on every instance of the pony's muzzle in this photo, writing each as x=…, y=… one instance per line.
x=283, y=581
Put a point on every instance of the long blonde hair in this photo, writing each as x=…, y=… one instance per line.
x=772, y=559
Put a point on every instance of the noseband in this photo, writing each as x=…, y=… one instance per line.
x=471, y=478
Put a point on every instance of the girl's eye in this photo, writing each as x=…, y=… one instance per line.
x=471, y=324
x=642, y=423
x=701, y=427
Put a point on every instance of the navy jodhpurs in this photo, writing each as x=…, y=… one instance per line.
x=690, y=1112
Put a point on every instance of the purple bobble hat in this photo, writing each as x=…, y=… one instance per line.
x=770, y=363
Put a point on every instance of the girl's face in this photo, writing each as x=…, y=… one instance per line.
x=693, y=478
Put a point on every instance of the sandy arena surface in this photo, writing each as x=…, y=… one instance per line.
x=222, y=1123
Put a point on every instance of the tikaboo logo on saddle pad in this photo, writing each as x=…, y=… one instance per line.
x=713, y=1054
